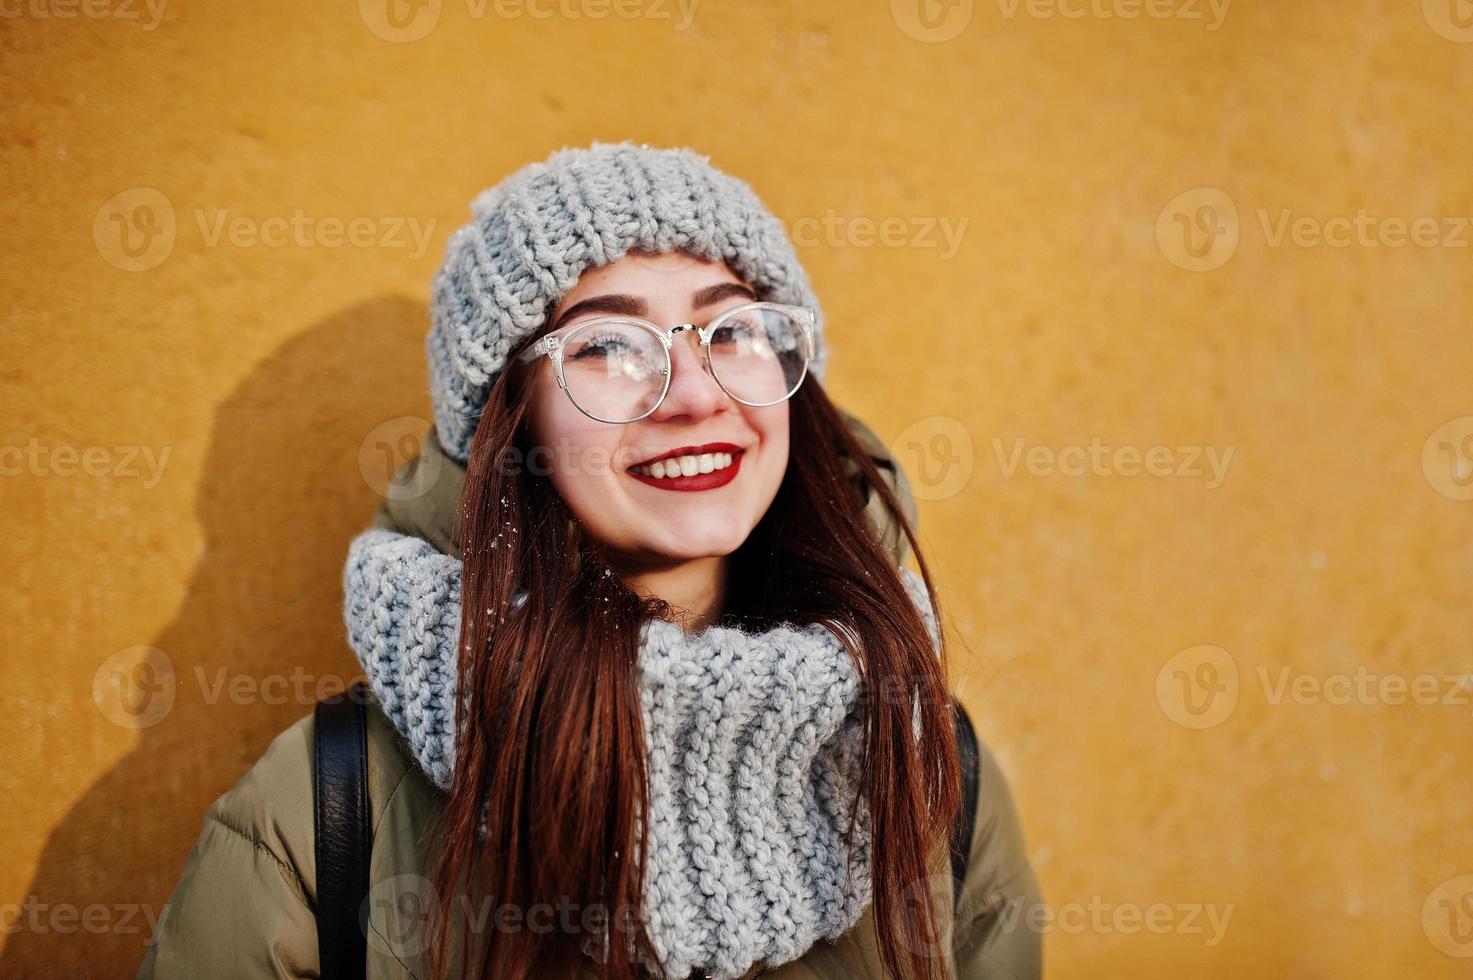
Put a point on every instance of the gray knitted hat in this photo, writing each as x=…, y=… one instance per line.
x=534, y=234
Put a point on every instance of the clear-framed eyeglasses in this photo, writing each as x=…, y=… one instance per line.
x=617, y=369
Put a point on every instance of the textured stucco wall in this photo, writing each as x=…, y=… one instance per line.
x=1046, y=243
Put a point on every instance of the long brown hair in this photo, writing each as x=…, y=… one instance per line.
x=549, y=738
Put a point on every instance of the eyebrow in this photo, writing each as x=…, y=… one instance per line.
x=622, y=304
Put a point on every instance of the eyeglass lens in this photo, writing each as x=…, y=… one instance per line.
x=616, y=371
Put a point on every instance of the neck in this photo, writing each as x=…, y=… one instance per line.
x=695, y=588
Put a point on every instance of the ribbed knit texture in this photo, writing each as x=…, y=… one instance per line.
x=753, y=742
x=536, y=232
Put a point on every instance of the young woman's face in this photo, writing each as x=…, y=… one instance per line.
x=593, y=464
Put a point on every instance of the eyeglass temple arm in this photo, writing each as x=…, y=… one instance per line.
x=542, y=346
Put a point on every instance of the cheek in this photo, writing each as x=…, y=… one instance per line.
x=771, y=424
x=574, y=452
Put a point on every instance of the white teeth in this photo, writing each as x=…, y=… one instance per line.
x=686, y=465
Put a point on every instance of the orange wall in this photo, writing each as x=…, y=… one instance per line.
x=1114, y=189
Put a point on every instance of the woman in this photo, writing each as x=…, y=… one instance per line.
x=655, y=695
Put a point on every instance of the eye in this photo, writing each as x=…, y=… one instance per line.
x=603, y=344
x=740, y=332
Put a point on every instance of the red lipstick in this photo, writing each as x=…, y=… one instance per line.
x=698, y=481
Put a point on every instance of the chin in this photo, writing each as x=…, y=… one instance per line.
x=671, y=543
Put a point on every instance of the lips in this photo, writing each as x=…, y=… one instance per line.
x=710, y=447
x=689, y=468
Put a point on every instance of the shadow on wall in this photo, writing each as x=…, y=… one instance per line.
x=260, y=633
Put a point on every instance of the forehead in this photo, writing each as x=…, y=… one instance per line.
x=670, y=275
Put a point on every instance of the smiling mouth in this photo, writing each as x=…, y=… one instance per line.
x=691, y=467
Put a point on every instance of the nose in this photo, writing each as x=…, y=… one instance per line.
x=693, y=392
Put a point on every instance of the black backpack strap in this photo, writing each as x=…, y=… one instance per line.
x=966, y=818
x=344, y=833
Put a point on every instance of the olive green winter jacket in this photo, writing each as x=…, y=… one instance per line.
x=243, y=906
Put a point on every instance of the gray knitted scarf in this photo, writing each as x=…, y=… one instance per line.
x=753, y=743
